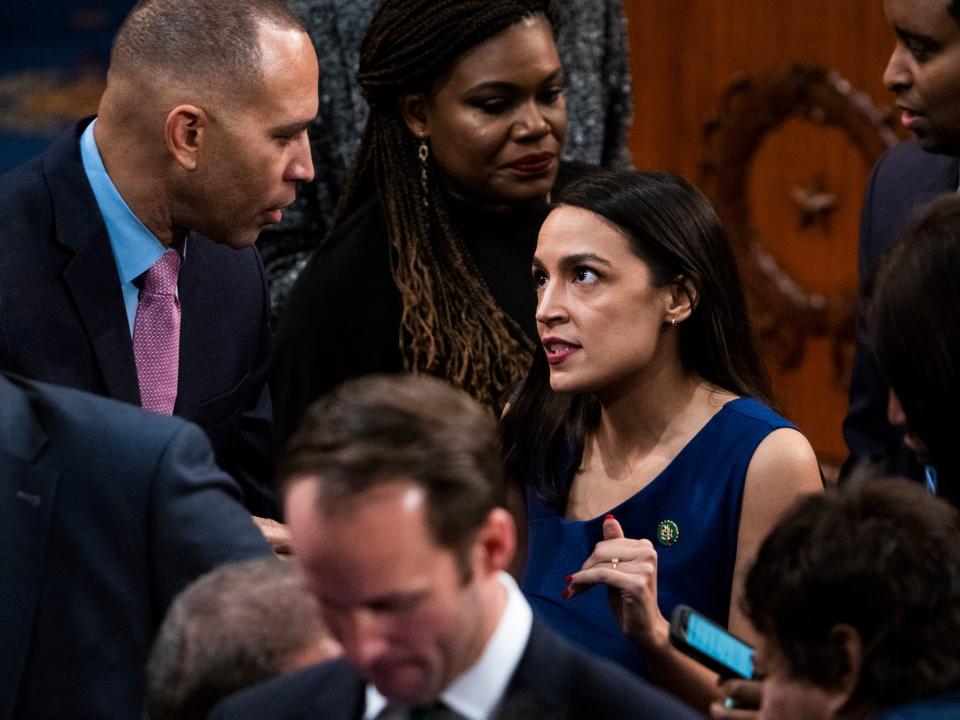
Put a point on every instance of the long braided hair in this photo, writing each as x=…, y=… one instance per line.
x=450, y=326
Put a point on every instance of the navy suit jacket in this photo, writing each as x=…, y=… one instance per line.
x=62, y=318
x=554, y=681
x=106, y=512
x=903, y=180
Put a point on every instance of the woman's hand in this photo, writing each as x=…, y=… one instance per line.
x=629, y=570
x=741, y=700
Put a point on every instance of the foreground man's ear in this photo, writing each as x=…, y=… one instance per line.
x=496, y=541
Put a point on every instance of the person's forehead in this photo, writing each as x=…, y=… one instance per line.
x=389, y=517
x=289, y=69
x=374, y=546
x=506, y=56
x=923, y=17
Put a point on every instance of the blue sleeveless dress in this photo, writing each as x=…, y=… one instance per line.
x=691, y=513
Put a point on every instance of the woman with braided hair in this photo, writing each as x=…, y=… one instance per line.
x=427, y=267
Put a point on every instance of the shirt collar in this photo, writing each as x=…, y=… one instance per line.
x=477, y=692
x=930, y=478
x=135, y=248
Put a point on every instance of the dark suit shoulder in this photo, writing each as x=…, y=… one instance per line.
x=556, y=679
x=26, y=213
x=22, y=187
x=905, y=178
x=329, y=691
x=69, y=413
x=125, y=509
x=910, y=163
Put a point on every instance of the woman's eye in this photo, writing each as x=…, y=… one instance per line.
x=550, y=95
x=539, y=279
x=585, y=275
x=493, y=106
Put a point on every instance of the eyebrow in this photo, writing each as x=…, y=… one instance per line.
x=571, y=261
x=910, y=35
x=504, y=86
x=292, y=128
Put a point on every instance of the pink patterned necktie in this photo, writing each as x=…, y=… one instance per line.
x=156, y=335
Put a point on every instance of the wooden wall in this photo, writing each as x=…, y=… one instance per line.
x=685, y=53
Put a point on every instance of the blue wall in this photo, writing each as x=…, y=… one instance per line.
x=53, y=57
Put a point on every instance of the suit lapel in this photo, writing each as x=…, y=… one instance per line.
x=91, y=275
x=194, y=329
x=28, y=484
x=535, y=687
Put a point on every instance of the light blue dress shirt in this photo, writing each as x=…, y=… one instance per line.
x=135, y=249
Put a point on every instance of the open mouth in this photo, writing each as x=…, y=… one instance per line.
x=558, y=351
x=910, y=118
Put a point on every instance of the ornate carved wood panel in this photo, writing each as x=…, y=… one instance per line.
x=788, y=183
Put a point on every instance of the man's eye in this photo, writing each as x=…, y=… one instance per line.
x=920, y=51
x=394, y=605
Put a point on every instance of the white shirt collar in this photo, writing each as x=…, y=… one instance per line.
x=478, y=691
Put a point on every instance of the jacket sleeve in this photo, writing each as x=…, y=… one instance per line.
x=196, y=521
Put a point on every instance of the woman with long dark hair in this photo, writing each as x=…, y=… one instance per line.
x=648, y=458
x=915, y=330
x=427, y=267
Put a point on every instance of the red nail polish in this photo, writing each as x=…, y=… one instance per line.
x=609, y=516
x=569, y=579
x=565, y=593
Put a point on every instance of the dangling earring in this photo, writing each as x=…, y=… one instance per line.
x=423, y=152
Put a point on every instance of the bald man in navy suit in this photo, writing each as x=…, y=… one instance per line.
x=199, y=141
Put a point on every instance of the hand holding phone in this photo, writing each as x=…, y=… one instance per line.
x=709, y=644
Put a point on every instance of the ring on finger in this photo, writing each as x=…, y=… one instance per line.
x=615, y=562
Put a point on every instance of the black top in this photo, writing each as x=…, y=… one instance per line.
x=343, y=316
